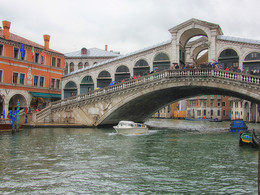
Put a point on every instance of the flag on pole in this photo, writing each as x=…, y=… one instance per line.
x=43, y=55
x=22, y=50
x=32, y=51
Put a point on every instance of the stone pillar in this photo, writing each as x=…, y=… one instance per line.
x=257, y=113
x=175, y=49
x=212, y=46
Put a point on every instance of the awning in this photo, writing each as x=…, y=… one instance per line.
x=45, y=95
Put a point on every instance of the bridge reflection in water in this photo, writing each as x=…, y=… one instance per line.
x=139, y=98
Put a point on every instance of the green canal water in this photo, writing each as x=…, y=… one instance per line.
x=175, y=157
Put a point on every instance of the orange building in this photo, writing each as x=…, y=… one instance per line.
x=29, y=72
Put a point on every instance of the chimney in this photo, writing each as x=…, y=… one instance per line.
x=105, y=47
x=6, y=26
x=46, y=41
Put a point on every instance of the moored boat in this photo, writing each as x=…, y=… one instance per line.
x=130, y=127
x=238, y=125
x=215, y=120
x=245, y=138
x=255, y=139
x=5, y=124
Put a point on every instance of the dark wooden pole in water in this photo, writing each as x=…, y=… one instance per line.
x=259, y=170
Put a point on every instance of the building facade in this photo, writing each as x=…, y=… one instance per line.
x=29, y=72
x=206, y=106
x=78, y=60
x=242, y=109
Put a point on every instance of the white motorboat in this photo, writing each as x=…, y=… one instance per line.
x=130, y=127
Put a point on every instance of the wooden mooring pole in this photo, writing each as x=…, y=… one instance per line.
x=259, y=170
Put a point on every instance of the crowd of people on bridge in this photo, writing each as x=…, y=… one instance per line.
x=215, y=65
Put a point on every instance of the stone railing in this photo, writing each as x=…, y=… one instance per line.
x=227, y=75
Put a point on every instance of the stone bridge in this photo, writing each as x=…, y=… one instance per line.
x=139, y=98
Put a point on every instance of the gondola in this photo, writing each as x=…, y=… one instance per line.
x=255, y=139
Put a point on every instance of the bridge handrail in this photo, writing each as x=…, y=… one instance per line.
x=252, y=79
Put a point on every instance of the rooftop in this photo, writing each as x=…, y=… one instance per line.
x=92, y=52
x=119, y=57
x=237, y=39
x=19, y=39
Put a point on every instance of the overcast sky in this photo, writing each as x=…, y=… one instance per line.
x=124, y=25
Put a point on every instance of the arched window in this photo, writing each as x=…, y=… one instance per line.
x=122, y=72
x=141, y=68
x=86, y=85
x=252, y=62
x=71, y=67
x=161, y=62
x=104, y=79
x=229, y=58
x=84, y=51
x=86, y=64
x=80, y=65
x=70, y=89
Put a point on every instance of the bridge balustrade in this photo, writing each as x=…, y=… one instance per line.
x=251, y=79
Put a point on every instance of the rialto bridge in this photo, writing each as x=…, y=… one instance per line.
x=188, y=40
x=137, y=99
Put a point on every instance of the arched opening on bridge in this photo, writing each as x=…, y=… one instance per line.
x=202, y=57
x=13, y=102
x=70, y=89
x=187, y=38
x=104, y=79
x=86, y=64
x=86, y=85
x=161, y=62
x=252, y=63
x=229, y=59
x=80, y=65
x=71, y=67
x=141, y=68
x=122, y=72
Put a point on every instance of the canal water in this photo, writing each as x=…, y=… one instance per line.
x=175, y=157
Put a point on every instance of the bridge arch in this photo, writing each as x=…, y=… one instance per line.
x=190, y=33
x=229, y=57
x=70, y=89
x=80, y=65
x=182, y=33
x=139, y=105
x=122, y=72
x=141, y=67
x=104, y=79
x=86, y=64
x=72, y=67
x=161, y=61
x=87, y=84
x=251, y=61
x=199, y=46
